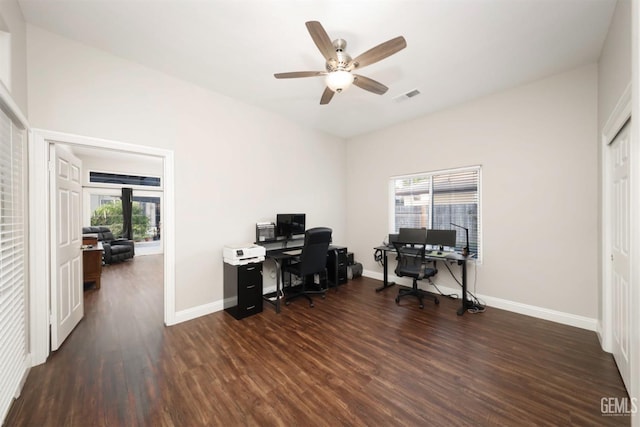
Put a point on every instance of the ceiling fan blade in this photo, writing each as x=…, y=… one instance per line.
x=321, y=39
x=369, y=84
x=296, y=74
x=326, y=96
x=379, y=52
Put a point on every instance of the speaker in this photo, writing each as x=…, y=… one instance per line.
x=354, y=271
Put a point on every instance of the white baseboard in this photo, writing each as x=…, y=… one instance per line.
x=212, y=307
x=194, y=312
x=27, y=367
x=515, y=307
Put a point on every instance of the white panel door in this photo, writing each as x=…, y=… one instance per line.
x=67, y=304
x=621, y=265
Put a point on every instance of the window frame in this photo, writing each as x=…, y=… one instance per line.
x=430, y=175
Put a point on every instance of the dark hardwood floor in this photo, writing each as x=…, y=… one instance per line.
x=355, y=359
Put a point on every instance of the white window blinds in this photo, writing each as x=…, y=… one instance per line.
x=436, y=200
x=13, y=280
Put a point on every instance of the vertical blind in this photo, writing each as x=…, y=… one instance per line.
x=438, y=199
x=13, y=279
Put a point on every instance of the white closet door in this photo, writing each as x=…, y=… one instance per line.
x=67, y=303
x=620, y=256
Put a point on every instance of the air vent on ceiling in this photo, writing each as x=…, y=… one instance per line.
x=407, y=95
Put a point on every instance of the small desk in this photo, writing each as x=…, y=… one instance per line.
x=446, y=256
x=279, y=257
x=92, y=264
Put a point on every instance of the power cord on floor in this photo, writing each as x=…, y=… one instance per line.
x=478, y=305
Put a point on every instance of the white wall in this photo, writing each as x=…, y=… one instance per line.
x=537, y=147
x=234, y=164
x=11, y=18
x=614, y=66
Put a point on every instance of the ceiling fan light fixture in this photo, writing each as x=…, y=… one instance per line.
x=339, y=80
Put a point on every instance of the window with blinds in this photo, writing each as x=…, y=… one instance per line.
x=438, y=199
x=13, y=279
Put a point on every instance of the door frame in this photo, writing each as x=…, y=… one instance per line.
x=39, y=236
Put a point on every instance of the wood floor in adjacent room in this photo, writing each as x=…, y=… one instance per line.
x=355, y=359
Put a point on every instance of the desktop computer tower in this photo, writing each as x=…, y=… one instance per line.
x=337, y=265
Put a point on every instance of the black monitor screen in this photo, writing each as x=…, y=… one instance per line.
x=441, y=238
x=288, y=225
x=412, y=235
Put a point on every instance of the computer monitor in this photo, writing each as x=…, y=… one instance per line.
x=288, y=225
x=441, y=238
x=412, y=235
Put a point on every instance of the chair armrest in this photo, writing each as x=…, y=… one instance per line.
x=122, y=242
x=107, y=252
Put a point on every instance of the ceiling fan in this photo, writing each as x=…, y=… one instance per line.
x=340, y=65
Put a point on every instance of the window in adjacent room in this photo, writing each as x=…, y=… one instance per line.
x=122, y=179
x=434, y=200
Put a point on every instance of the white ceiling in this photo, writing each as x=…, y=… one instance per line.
x=456, y=49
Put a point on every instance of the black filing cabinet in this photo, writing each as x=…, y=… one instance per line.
x=243, y=289
x=337, y=264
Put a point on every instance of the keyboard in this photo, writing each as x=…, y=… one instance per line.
x=294, y=252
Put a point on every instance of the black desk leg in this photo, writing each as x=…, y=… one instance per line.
x=276, y=302
x=385, y=279
x=466, y=304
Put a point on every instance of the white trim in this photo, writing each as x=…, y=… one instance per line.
x=39, y=283
x=515, y=307
x=634, y=345
x=210, y=308
x=39, y=235
x=168, y=237
x=198, y=311
x=438, y=172
x=619, y=116
x=27, y=367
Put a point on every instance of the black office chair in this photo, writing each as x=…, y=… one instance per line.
x=312, y=260
x=412, y=263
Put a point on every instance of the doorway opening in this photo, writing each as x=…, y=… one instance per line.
x=40, y=271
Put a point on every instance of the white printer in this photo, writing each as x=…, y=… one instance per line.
x=242, y=254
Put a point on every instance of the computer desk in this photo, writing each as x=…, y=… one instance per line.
x=280, y=256
x=446, y=256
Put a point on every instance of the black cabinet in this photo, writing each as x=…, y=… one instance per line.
x=243, y=289
x=337, y=265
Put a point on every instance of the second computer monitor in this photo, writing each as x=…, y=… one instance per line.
x=441, y=238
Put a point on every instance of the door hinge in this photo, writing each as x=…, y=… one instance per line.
x=51, y=318
x=611, y=257
x=51, y=166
